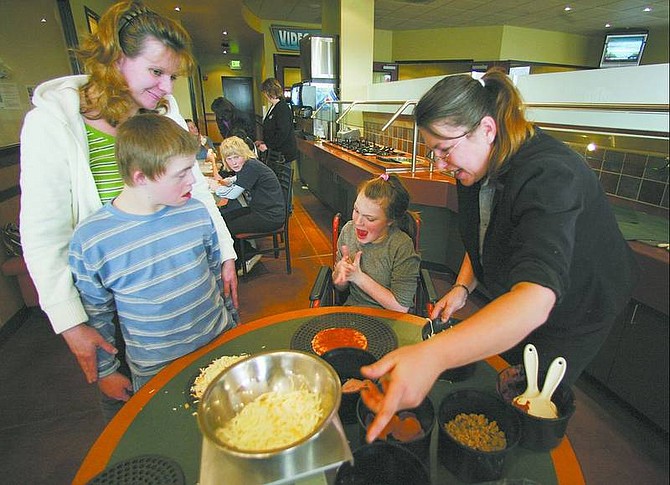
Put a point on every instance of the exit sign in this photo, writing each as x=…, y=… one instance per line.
x=235, y=64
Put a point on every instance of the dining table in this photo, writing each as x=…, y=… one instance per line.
x=160, y=419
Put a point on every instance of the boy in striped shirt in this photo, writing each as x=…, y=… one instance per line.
x=151, y=257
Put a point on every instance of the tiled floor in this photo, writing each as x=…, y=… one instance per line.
x=49, y=415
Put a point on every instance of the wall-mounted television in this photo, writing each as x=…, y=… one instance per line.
x=623, y=49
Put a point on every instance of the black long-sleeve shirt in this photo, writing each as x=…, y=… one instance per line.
x=278, y=133
x=551, y=224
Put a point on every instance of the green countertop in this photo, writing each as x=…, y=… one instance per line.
x=167, y=425
x=640, y=226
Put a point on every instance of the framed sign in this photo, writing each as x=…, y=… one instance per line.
x=288, y=38
x=91, y=20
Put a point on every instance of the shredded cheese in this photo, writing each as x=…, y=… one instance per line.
x=273, y=420
x=208, y=373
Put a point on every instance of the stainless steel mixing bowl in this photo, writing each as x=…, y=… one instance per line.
x=247, y=379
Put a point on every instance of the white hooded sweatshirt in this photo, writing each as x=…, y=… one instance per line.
x=58, y=191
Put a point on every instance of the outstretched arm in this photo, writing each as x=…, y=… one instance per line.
x=494, y=329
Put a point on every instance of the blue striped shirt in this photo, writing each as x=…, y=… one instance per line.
x=161, y=273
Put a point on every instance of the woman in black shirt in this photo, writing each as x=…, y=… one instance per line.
x=539, y=234
x=278, y=133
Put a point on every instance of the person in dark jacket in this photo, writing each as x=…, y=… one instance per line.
x=231, y=121
x=278, y=133
x=539, y=235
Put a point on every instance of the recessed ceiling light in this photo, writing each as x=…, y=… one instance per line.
x=592, y=147
x=225, y=32
x=43, y=20
x=177, y=9
x=646, y=9
x=568, y=8
x=607, y=26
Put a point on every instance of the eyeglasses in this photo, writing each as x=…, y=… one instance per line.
x=449, y=150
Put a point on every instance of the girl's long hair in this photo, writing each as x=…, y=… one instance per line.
x=392, y=195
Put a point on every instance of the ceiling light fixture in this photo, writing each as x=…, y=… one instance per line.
x=43, y=20
x=568, y=8
x=225, y=32
x=646, y=9
x=607, y=26
x=177, y=9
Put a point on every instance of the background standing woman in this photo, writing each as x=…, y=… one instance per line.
x=278, y=133
x=539, y=234
x=68, y=168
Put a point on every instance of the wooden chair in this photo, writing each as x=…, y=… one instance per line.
x=324, y=293
x=280, y=239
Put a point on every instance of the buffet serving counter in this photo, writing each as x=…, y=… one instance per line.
x=333, y=173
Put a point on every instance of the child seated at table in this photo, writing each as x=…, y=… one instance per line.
x=376, y=259
x=265, y=210
x=151, y=257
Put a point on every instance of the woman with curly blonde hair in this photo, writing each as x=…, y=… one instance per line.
x=68, y=160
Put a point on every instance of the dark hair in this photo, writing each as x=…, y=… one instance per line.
x=272, y=88
x=147, y=141
x=122, y=31
x=392, y=195
x=222, y=107
x=460, y=100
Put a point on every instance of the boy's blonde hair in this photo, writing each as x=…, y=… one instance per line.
x=146, y=142
x=235, y=146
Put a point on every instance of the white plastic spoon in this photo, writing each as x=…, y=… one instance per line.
x=542, y=406
x=530, y=364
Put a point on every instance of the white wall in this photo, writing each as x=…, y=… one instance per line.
x=624, y=85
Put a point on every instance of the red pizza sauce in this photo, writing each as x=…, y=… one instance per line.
x=335, y=337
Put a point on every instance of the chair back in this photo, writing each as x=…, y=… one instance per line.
x=280, y=236
x=335, y=234
x=272, y=157
x=284, y=174
x=416, y=220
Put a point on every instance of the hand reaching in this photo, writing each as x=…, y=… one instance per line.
x=408, y=373
x=450, y=303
